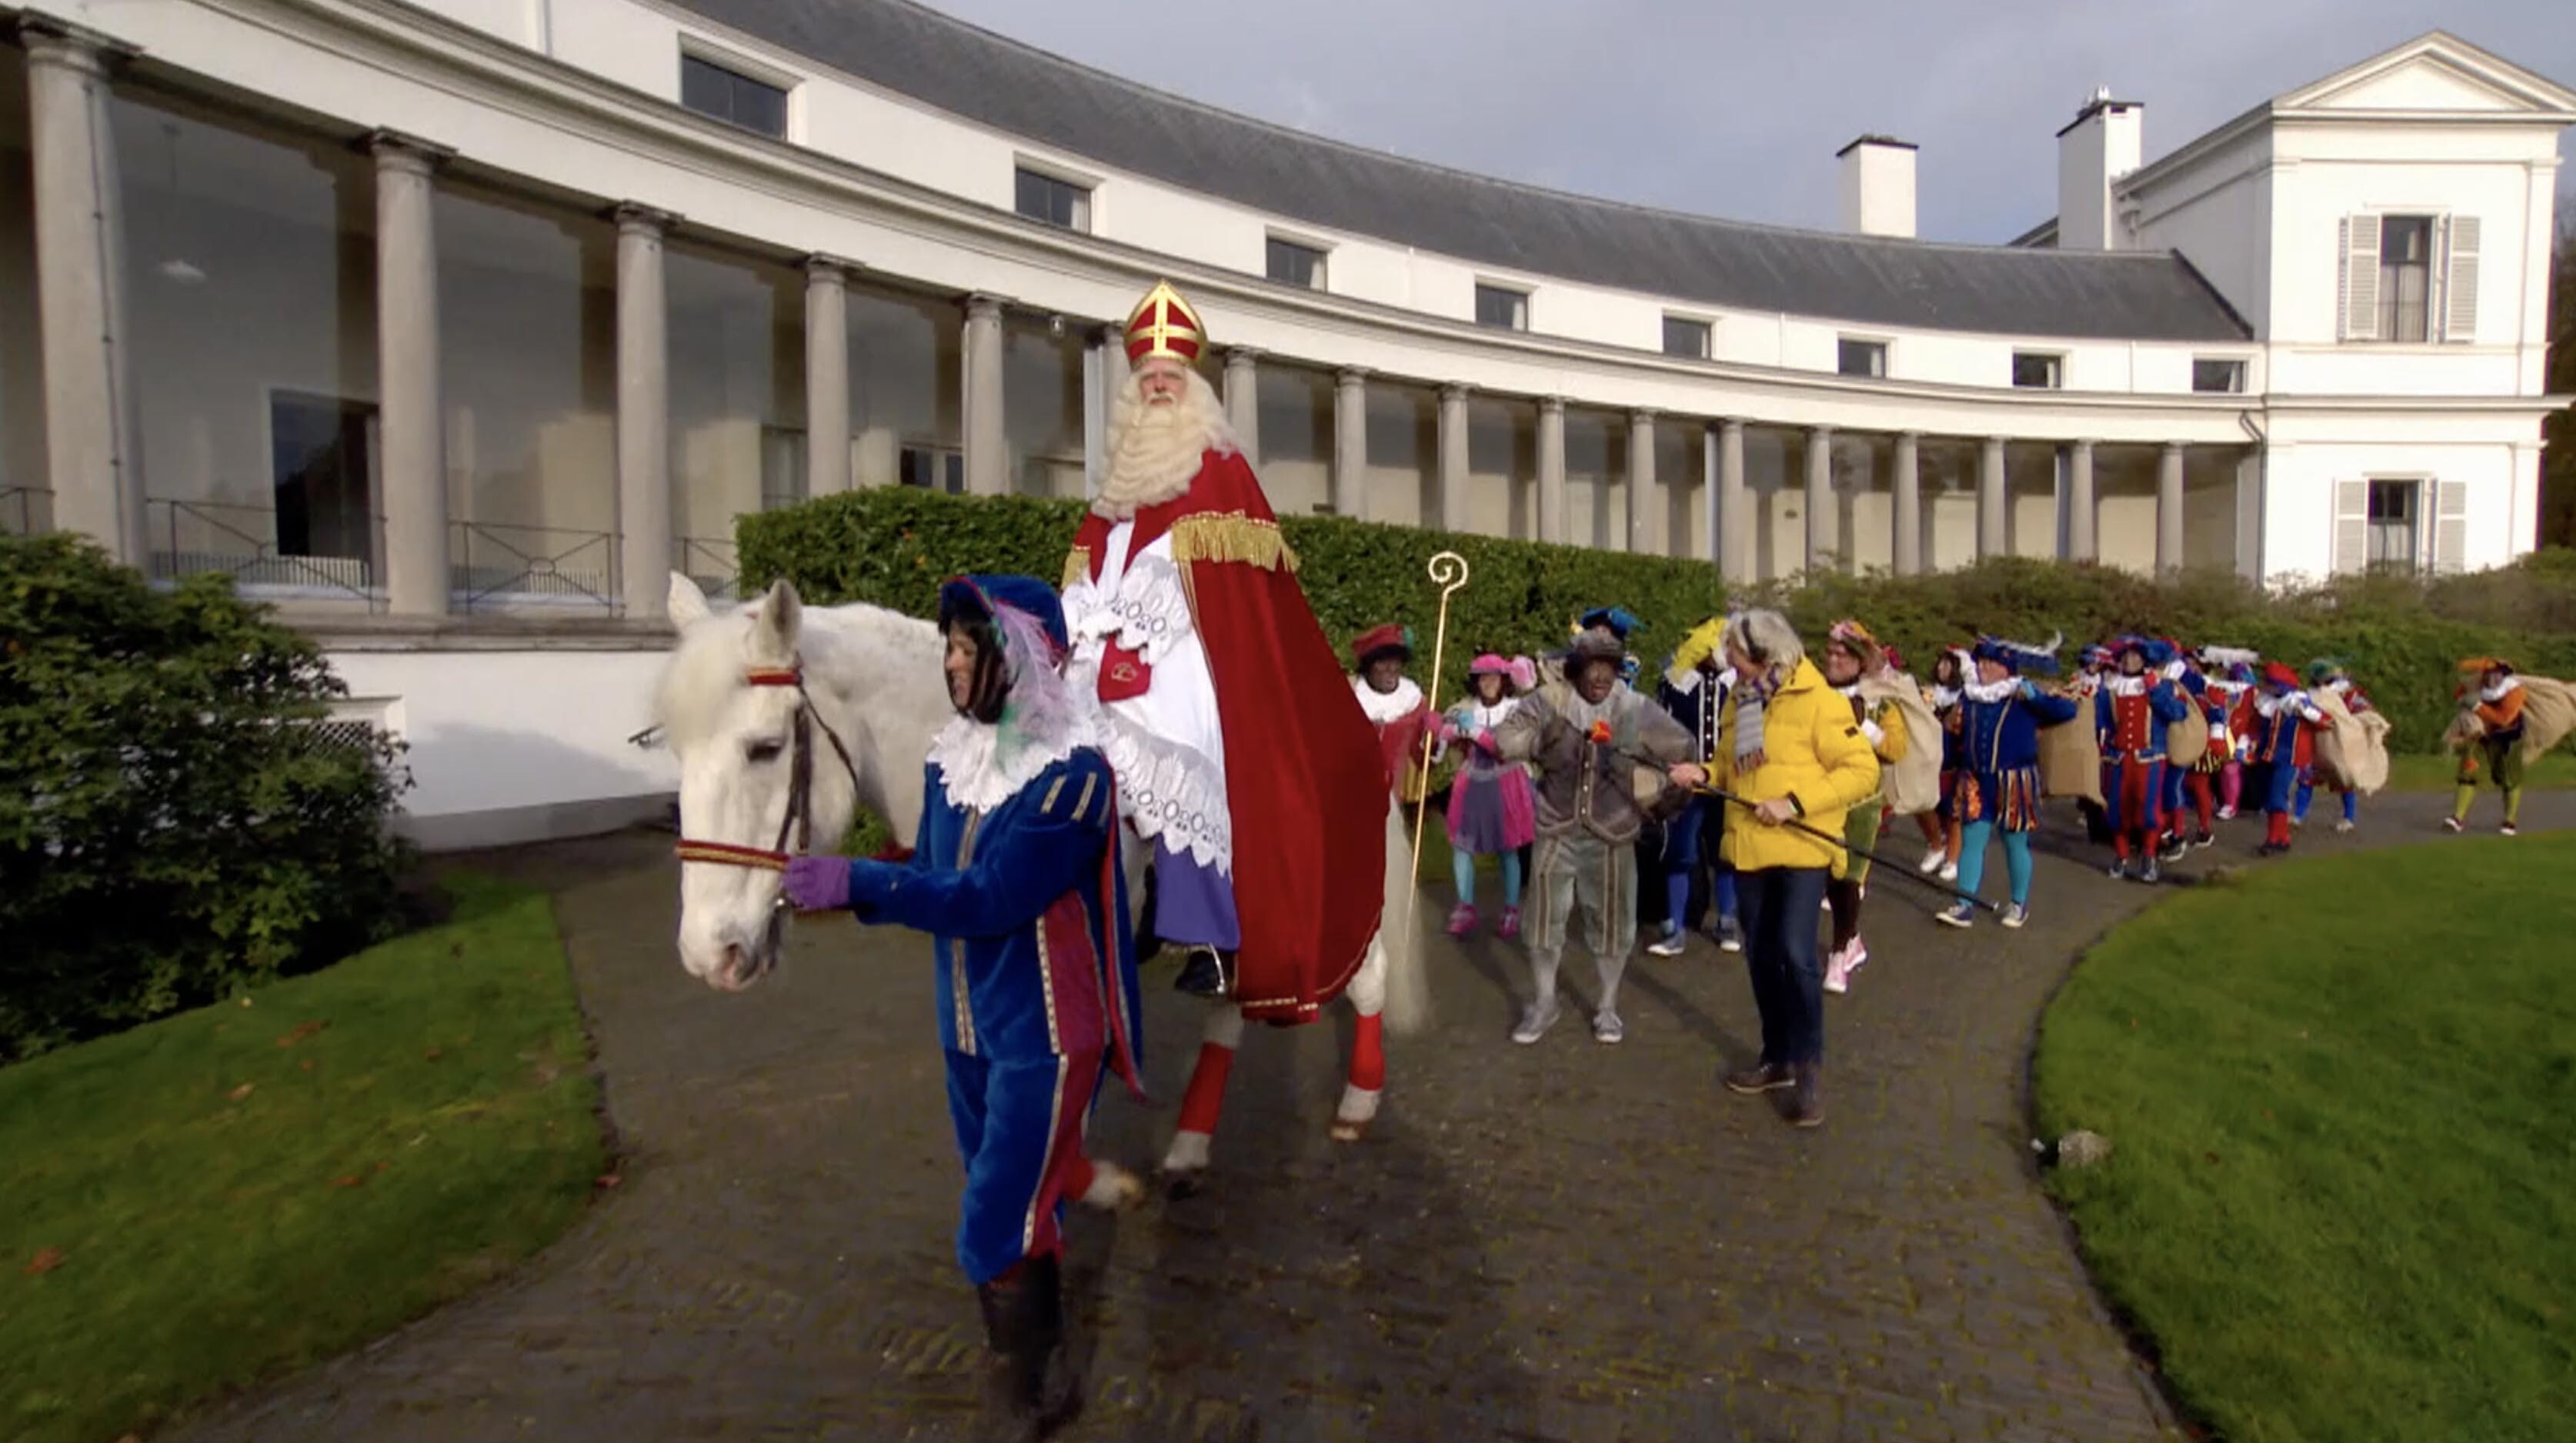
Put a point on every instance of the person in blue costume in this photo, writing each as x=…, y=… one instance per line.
x=2000, y=714
x=1015, y=877
x=1693, y=691
x=2130, y=715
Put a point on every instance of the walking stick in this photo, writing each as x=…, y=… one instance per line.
x=1449, y=571
x=1901, y=869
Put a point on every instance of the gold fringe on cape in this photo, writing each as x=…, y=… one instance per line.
x=1231, y=536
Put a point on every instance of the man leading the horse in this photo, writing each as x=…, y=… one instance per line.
x=1243, y=762
x=1015, y=876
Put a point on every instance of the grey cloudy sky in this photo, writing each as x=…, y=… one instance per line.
x=1737, y=109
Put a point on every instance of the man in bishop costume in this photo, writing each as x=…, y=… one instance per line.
x=1242, y=757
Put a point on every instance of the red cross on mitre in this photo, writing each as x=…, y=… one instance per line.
x=1164, y=325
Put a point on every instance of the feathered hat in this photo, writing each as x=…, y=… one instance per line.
x=2154, y=652
x=1164, y=325
x=1857, y=637
x=2096, y=654
x=985, y=597
x=1596, y=643
x=2278, y=673
x=1379, y=640
x=1489, y=665
x=1614, y=619
x=1523, y=672
x=2230, y=657
x=2481, y=665
x=2327, y=668
x=2021, y=656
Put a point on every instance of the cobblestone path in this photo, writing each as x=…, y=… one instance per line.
x=1565, y=1241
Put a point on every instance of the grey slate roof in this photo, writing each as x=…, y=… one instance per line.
x=975, y=74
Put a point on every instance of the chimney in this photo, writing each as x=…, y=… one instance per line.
x=1878, y=186
x=2102, y=144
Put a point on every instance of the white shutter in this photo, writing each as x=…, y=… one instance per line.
x=2360, y=298
x=2460, y=281
x=2351, y=526
x=2450, y=526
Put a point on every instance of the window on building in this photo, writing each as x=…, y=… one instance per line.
x=2221, y=377
x=933, y=468
x=1047, y=198
x=2037, y=370
x=2395, y=518
x=1294, y=265
x=321, y=464
x=2405, y=277
x=1502, y=308
x=1686, y=337
x=730, y=96
x=1861, y=358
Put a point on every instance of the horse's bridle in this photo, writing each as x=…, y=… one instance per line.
x=798, y=823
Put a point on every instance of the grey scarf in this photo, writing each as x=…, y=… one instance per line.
x=1752, y=695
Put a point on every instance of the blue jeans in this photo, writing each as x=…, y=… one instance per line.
x=1689, y=838
x=1780, y=912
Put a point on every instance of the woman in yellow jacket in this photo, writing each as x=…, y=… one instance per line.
x=1787, y=745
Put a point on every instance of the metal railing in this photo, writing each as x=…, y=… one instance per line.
x=197, y=538
x=711, y=562
x=24, y=510
x=492, y=565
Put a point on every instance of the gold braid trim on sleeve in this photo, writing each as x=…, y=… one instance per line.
x=1231, y=536
x=1077, y=567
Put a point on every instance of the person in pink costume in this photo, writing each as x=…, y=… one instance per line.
x=1490, y=811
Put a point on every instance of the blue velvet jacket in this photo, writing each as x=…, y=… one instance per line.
x=1026, y=908
x=2140, y=736
x=1996, y=737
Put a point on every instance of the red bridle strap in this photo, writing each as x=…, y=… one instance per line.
x=729, y=855
x=774, y=676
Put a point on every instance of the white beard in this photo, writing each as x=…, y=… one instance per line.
x=1154, y=451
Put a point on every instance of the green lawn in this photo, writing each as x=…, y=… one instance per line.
x=2411, y=773
x=2342, y=1193
x=231, y=1192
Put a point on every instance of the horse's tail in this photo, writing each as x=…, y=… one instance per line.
x=1408, y=990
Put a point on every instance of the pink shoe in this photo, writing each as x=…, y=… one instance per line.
x=1462, y=920
x=1511, y=924
x=1837, y=973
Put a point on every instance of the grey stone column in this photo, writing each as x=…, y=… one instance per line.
x=1243, y=401
x=2083, y=543
x=1642, y=491
x=1350, y=443
x=1104, y=374
x=1453, y=458
x=2169, y=510
x=1734, y=508
x=92, y=459
x=644, y=559
x=1994, y=514
x=988, y=445
x=411, y=415
x=1712, y=526
x=1820, y=497
x=1551, y=469
x=827, y=375
x=1908, y=520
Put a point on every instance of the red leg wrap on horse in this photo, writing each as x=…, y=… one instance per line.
x=1078, y=1177
x=1206, y=1094
x=1368, y=1054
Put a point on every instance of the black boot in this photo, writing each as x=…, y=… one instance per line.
x=1042, y=1371
x=1206, y=972
x=1147, y=944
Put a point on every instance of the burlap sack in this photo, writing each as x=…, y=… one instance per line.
x=2070, y=758
x=2187, y=740
x=1912, y=784
x=2352, y=751
x=2548, y=715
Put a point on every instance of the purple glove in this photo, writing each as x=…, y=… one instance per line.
x=818, y=884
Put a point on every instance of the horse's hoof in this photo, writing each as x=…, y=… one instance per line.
x=1346, y=1130
x=1113, y=1188
x=1182, y=1186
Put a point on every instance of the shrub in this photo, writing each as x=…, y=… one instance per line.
x=170, y=831
x=2401, y=635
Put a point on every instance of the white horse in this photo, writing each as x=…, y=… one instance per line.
x=871, y=679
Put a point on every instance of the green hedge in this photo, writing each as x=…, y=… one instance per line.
x=893, y=547
x=168, y=832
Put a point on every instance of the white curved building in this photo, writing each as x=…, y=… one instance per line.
x=455, y=326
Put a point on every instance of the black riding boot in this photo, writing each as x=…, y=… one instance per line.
x=1206, y=972
x=1024, y=1323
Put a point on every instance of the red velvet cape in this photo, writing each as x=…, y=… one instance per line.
x=1305, y=780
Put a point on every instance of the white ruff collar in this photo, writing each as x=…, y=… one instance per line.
x=981, y=767
x=2498, y=691
x=1387, y=706
x=1944, y=697
x=2268, y=705
x=2128, y=685
x=1992, y=691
